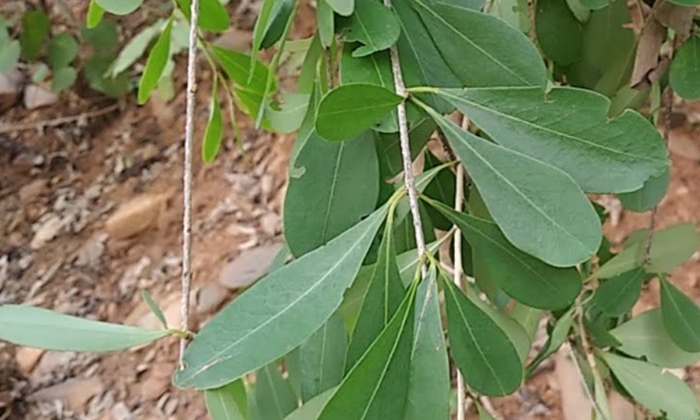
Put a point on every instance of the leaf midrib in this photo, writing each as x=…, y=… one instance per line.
x=552, y=131
x=517, y=190
x=214, y=360
x=474, y=340
x=477, y=47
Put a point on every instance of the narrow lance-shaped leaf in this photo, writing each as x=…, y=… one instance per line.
x=681, y=317
x=645, y=336
x=660, y=392
x=480, y=49
x=563, y=228
x=279, y=15
x=259, y=32
x=569, y=128
x=44, y=329
x=311, y=409
x=383, y=297
x=273, y=394
x=349, y=110
x=670, y=248
x=157, y=59
x=556, y=338
x=155, y=309
x=374, y=25
x=483, y=352
x=421, y=62
x=429, y=382
x=94, y=14
x=617, y=295
x=331, y=187
x=326, y=22
x=214, y=130
x=375, y=389
x=524, y=278
x=279, y=312
x=322, y=358
x=223, y=403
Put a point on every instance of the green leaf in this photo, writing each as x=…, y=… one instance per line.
x=44, y=329
x=563, y=228
x=645, y=336
x=279, y=313
x=213, y=15
x=685, y=69
x=670, y=248
x=522, y=277
x=429, y=381
x=134, y=49
x=40, y=73
x=249, y=89
x=95, y=69
x=596, y=4
x=559, y=33
x=569, y=128
x=103, y=38
x=480, y=49
x=94, y=14
x=374, y=25
x=157, y=59
x=349, y=110
x=63, y=48
x=153, y=306
x=481, y=349
x=442, y=188
x=273, y=393
x=375, y=389
x=333, y=185
x=421, y=62
x=63, y=79
x=390, y=146
x=681, y=317
x=291, y=114
x=661, y=393
x=326, y=23
x=556, y=338
x=222, y=402
x=312, y=409
x=516, y=13
x=647, y=197
x=119, y=7
x=279, y=15
x=322, y=358
x=609, y=49
x=352, y=301
x=342, y=7
x=384, y=295
x=35, y=29
x=686, y=3
x=529, y=318
x=616, y=296
x=9, y=56
x=259, y=32
x=214, y=131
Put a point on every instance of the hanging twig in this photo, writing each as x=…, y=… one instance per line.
x=186, y=278
x=400, y=89
x=457, y=263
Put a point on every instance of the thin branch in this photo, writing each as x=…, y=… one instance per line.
x=58, y=121
x=409, y=180
x=186, y=278
x=457, y=263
